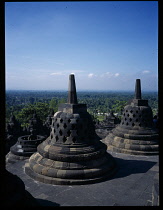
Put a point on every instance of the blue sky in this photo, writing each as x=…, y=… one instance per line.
x=106, y=44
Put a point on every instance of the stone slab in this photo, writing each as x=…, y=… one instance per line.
x=130, y=186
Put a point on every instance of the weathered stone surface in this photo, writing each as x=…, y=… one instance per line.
x=155, y=189
x=15, y=194
x=47, y=124
x=13, y=131
x=130, y=186
x=136, y=133
x=72, y=96
x=26, y=145
x=72, y=154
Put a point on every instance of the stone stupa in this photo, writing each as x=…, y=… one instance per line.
x=13, y=131
x=135, y=134
x=73, y=153
x=26, y=145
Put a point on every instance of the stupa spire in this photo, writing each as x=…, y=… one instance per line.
x=138, y=89
x=72, y=96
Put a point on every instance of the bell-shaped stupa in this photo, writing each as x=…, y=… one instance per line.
x=13, y=131
x=72, y=154
x=135, y=134
x=26, y=145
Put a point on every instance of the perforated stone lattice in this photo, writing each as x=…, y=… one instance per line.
x=137, y=116
x=71, y=128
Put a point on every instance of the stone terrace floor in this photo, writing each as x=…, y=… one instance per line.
x=130, y=186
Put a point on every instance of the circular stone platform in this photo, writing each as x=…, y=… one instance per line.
x=72, y=154
x=24, y=148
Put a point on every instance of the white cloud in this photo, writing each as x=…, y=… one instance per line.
x=91, y=75
x=57, y=73
x=109, y=75
x=116, y=75
x=145, y=72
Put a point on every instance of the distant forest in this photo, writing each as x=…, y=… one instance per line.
x=24, y=103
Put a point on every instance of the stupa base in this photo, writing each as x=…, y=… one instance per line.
x=132, y=141
x=12, y=158
x=131, y=152
x=70, y=173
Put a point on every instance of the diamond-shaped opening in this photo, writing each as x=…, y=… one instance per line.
x=54, y=130
x=133, y=124
x=73, y=126
x=136, y=120
x=140, y=124
x=140, y=115
x=124, y=114
x=61, y=120
x=131, y=111
x=130, y=119
x=126, y=110
x=64, y=139
x=51, y=136
x=69, y=120
x=127, y=123
x=56, y=138
x=74, y=139
x=137, y=111
x=65, y=126
x=68, y=133
x=134, y=115
x=128, y=115
x=122, y=123
x=57, y=125
x=125, y=119
x=60, y=132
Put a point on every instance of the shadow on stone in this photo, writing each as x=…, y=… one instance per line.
x=128, y=167
x=43, y=202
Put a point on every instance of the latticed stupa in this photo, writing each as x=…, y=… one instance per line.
x=72, y=154
x=26, y=145
x=13, y=131
x=135, y=134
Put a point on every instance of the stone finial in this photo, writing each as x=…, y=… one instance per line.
x=137, y=89
x=72, y=96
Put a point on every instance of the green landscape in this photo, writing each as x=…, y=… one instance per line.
x=24, y=103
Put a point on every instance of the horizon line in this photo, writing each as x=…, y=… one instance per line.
x=80, y=90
